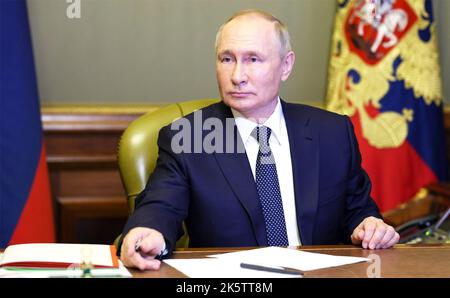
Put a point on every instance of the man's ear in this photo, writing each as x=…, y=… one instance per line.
x=287, y=65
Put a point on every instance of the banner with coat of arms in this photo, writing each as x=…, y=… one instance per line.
x=384, y=74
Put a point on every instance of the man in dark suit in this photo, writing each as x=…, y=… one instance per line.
x=284, y=174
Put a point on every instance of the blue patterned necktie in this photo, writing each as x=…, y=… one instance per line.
x=269, y=189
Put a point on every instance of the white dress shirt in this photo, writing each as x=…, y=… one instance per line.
x=279, y=144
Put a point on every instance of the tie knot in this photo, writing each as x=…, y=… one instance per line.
x=262, y=134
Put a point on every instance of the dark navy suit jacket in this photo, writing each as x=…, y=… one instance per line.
x=215, y=194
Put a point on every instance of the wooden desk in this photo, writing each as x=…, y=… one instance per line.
x=401, y=261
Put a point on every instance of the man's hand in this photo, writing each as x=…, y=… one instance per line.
x=374, y=233
x=150, y=243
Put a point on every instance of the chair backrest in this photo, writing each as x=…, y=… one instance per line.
x=138, y=149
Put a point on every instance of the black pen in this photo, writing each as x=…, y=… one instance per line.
x=282, y=270
x=137, y=248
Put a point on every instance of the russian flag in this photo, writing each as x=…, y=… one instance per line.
x=26, y=213
x=384, y=74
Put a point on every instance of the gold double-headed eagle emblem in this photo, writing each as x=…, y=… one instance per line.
x=394, y=34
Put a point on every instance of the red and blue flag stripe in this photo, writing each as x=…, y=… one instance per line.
x=25, y=202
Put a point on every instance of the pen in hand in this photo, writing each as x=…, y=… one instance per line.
x=137, y=248
x=267, y=268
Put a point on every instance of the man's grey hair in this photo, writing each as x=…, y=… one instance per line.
x=280, y=28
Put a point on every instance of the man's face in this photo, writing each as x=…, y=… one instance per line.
x=250, y=67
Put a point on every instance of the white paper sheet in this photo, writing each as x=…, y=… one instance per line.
x=228, y=265
x=291, y=258
x=219, y=268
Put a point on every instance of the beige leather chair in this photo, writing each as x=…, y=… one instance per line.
x=138, y=148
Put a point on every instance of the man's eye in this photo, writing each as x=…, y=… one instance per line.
x=226, y=59
x=253, y=59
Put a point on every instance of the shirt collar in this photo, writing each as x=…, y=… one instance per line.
x=274, y=122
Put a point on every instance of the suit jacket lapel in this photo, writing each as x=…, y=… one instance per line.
x=304, y=143
x=237, y=172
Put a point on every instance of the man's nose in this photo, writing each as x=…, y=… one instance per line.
x=239, y=76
